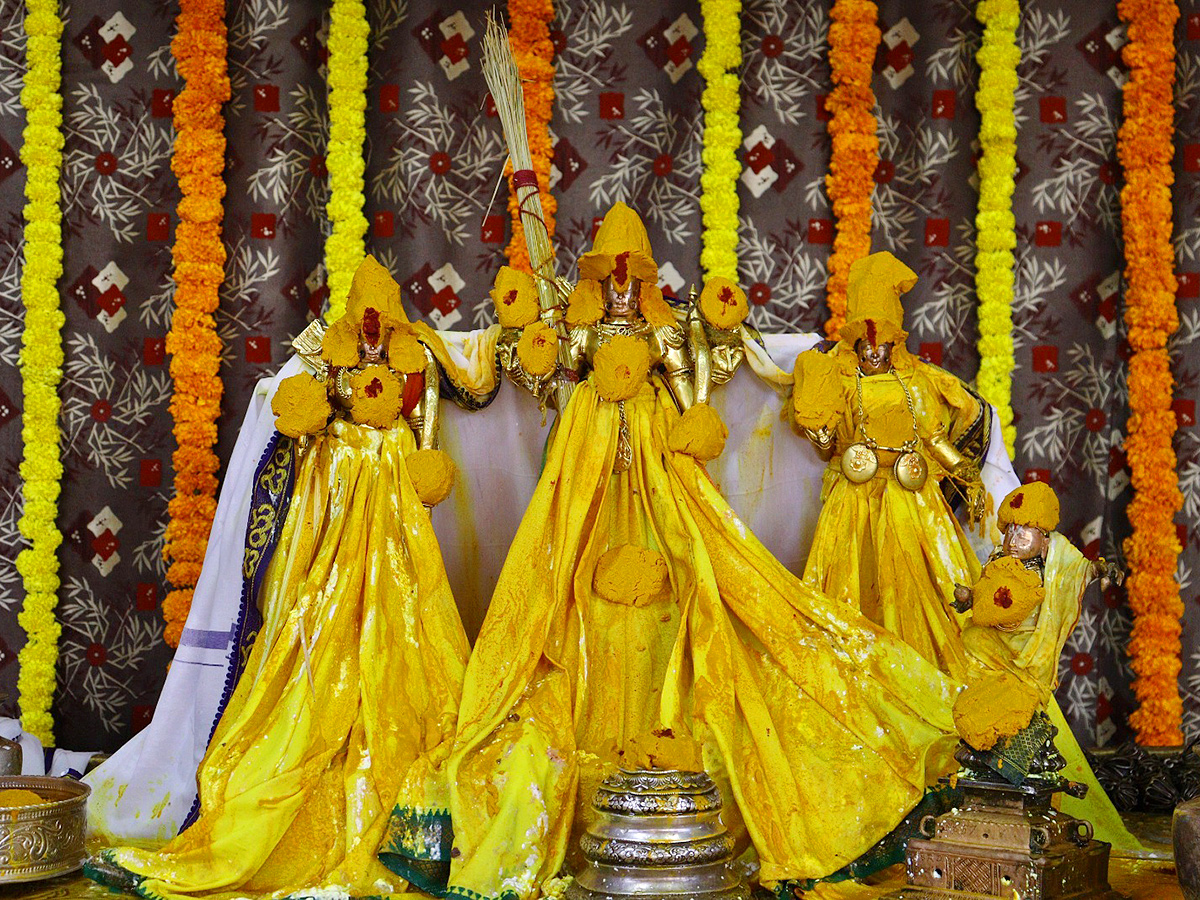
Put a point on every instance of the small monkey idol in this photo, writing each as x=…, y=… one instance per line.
x=1024, y=606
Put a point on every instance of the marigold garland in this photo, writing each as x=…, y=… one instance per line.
x=529, y=36
x=1144, y=146
x=995, y=224
x=198, y=161
x=719, y=67
x=41, y=362
x=345, y=247
x=853, y=38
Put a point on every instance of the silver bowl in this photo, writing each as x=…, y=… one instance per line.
x=46, y=840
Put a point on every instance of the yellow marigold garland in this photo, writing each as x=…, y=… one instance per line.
x=1144, y=146
x=345, y=246
x=41, y=368
x=199, y=256
x=533, y=50
x=853, y=39
x=995, y=224
x=719, y=67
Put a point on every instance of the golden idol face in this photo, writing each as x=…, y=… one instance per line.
x=1025, y=542
x=873, y=359
x=621, y=303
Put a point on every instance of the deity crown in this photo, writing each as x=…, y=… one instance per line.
x=873, y=299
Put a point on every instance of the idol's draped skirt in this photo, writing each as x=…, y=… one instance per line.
x=896, y=555
x=822, y=729
x=348, y=697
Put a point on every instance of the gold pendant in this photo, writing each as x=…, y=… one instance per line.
x=859, y=463
x=911, y=470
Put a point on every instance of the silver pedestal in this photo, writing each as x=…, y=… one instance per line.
x=657, y=834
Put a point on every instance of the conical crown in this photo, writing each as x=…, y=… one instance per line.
x=873, y=299
x=621, y=249
x=374, y=287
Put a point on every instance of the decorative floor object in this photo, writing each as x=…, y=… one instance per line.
x=658, y=834
x=1006, y=841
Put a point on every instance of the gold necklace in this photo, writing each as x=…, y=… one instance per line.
x=860, y=461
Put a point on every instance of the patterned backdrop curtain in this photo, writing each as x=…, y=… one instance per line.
x=627, y=120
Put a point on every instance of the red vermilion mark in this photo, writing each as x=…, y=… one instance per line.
x=510, y=298
x=370, y=325
x=621, y=268
x=1017, y=501
x=725, y=295
x=1003, y=597
x=871, y=332
x=374, y=389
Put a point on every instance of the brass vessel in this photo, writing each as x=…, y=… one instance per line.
x=658, y=834
x=45, y=840
x=1006, y=841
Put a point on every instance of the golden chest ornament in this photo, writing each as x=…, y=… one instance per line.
x=860, y=461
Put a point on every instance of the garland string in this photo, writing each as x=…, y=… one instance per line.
x=198, y=161
x=1144, y=146
x=345, y=248
x=719, y=67
x=529, y=36
x=998, y=57
x=853, y=38
x=41, y=361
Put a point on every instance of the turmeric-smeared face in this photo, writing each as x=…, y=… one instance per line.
x=1024, y=542
x=873, y=359
x=621, y=302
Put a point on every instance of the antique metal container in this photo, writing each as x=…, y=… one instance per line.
x=1006, y=841
x=1185, y=834
x=657, y=834
x=45, y=840
x=10, y=757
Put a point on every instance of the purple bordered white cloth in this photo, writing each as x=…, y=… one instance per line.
x=771, y=477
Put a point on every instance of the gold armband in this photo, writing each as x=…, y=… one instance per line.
x=946, y=454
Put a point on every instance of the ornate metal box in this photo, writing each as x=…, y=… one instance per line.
x=1007, y=842
x=657, y=834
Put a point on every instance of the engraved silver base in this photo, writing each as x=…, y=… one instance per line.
x=43, y=841
x=657, y=834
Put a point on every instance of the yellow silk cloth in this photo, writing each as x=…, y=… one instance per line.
x=1032, y=653
x=823, y=730
x=355, y=676
x=893, y=553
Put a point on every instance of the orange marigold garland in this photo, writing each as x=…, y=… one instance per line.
x=529, y=35
x=853, y=38
x=1144, y=146
x=199, y=256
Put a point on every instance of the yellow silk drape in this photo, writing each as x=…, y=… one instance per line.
x=893, y=553
x=803, y=707
x=354, y=679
